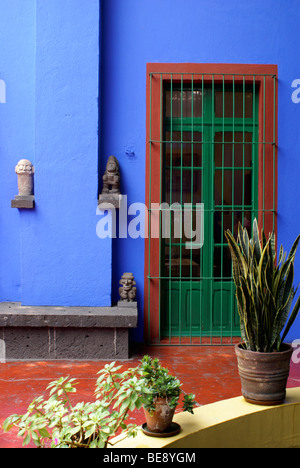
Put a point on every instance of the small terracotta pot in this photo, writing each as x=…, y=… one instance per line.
x=161, y=418
x=264, y=375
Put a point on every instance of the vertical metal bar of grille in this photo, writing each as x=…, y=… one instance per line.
x=233, y=193
x=264, y=147
x=232, y=149
x=149, y=210
x=171, y=201
x=243, y=183
x=274, y=153
x=254, y=144
x=211, y=207
x=160, y=194
x=192, y=203
x=202, y=197
x=222, y=198
x=181, y=203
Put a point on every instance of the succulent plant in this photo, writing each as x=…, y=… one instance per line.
x=264, y=288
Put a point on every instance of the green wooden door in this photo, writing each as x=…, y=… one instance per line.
x=210, y=157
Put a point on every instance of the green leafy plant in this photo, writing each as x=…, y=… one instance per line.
x=264, y=288
x=160, y=384
x=57, y=423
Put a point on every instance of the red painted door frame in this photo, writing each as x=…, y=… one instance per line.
x=267, y=192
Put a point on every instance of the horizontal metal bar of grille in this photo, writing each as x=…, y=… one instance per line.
x=211, y=142
x=240, y=75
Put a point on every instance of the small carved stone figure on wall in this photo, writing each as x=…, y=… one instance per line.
x=25, y=170
x=111, y=178
x=128, y=290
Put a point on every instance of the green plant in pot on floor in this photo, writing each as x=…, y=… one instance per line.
x=162, y=396
x=58, y=422
x=265, y=296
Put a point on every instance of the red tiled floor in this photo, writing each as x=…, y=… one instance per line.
x=208, y=371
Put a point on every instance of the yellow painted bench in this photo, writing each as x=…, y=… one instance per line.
x=232, y=423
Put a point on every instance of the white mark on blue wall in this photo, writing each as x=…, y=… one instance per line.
x=296, y=93
x=2, y=92
x=296, y=352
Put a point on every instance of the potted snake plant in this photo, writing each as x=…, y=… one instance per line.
x=161, y=397
x=265, y=295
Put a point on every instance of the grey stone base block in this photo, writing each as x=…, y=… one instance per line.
x=84, y=344
x=127, y=304
x=65, y=333
x=107, y=201
x=26, y=202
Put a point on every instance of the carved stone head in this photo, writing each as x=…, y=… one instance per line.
x=24, y=167
x=112, y=166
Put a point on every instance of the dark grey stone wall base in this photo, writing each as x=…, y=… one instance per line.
x=60, y=333
x=82, y=344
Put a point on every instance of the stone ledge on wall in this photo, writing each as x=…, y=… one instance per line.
x=65, y=333
x=109, y=201
x=26, y=202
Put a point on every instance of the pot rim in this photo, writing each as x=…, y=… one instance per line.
x=286, y=349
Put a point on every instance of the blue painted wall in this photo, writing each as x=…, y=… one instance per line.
x=67, y=265
x=49, y=59
x=136, y=32
x=17, y=123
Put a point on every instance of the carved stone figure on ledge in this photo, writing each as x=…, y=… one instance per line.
x=25, y=170
x=111, y=178
x=128, y=290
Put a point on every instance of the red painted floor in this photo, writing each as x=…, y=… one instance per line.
x=208, y=371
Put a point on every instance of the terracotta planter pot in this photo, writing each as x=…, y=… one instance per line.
x=161, y=418
x=264, y=375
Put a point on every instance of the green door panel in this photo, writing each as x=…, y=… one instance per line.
x=182, y=310
x=225, y=320
x=210, y=157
